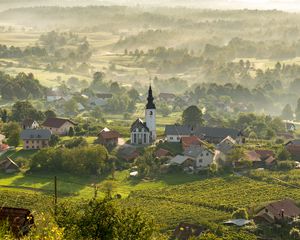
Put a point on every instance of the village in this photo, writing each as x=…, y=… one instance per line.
x=192, y=149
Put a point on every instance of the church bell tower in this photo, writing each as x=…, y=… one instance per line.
x=150, y=115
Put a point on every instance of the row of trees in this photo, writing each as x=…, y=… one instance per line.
x=85, y=160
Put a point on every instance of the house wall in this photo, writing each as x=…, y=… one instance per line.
x=29, y=144
x=205, y=159
x=175, y=138
x=108, y=142
x=63, y=130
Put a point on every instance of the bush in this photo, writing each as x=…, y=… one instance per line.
x=286, y=165
x=295, y=233
x=103, y=220
x=240, y=213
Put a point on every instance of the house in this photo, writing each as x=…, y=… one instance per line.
x=35, y=138
x=189, y=141
x=8, y=165
x=167, y=97
x=128, y=153
x=145, y=132
x=30, y=124
x=278, y=211
x=174, y=133
x=202, y=156
x=223, y=149
x=108, y=137
x=293, y=147
x=100, y=99
x=59, y=126
x=185, y=231
x=185, y=162
x=162, y=153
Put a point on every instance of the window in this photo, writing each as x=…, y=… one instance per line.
x=201, y=155
x=145, y=140
x=200, y=161
x=207, y=154
x=178, y=138
x=151, y=113
x=134, y=138
x=27, y=141
x=171, y=138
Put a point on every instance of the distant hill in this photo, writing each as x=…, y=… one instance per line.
x=288, y=5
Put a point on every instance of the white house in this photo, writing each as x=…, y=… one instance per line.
x=223, y=148
x=145, y=132
x=30, y=124
x=202, y=156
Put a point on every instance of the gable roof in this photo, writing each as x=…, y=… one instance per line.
x=57, y=122
x=162, y=153
x=140, y=125
x=188, y=141
x=194, y=151
x=217, y=132
x=109, y=134
x=286, y=207
x=252, y=156
x=264, y=154
x=175, y=129
x=179, y=159
x=43, y=134
x=8, y=163
x=202, y=132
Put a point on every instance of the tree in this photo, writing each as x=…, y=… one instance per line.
x=50, y=114
x=103, y=219
x=283, y=154
x=192, y=116
x=12, y=131
x=71, y=132
x=24, y=110
x=235, y=154
x=54, y=140
x=287, y=112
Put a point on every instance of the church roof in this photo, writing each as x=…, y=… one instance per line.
x=150, y=103
x=139, y=124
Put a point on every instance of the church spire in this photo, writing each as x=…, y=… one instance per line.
x=150, y=103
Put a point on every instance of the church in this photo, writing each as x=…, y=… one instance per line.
x=145, y=132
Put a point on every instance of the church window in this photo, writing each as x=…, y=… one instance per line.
x=134, y=138
x=145, y=139
x=151, y=113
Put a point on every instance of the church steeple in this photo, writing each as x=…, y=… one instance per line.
x=150, y=103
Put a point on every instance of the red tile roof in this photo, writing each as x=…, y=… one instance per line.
x=264, y=154
x=191, y=140
x=111, y=134
x=162, y=153
x=57, y=122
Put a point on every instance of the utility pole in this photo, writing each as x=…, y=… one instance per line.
x=55, y=195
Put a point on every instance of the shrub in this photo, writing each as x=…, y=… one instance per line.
x=286, y=165
x=240, y=213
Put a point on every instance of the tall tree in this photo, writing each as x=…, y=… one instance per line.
x=23, y=109
x=287, y=112
x=192, y=116
x=297, y=111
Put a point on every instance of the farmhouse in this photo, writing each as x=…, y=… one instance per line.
x=202, y=156
x=277, y=211
x=189, y=141
x=293, y=147
x=162, y=153
x=35, y=138
x=30, y=124
x=59, y=126
x=8, y=165
x=108, y=137
x=174, y=133
x=128, y=153
x=145, y=132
